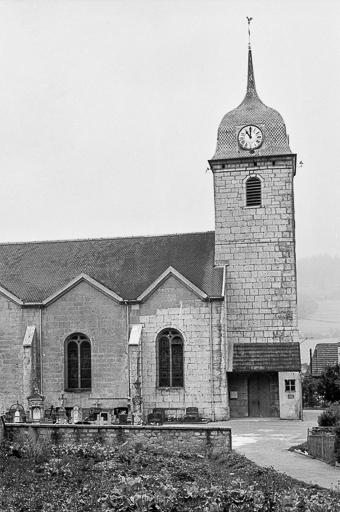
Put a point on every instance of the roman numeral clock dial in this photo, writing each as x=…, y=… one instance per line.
x=250, y=137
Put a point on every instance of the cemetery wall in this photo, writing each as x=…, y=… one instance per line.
x=204, y=440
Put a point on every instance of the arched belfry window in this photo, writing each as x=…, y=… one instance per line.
x=78, y=362
x=170, y=359
x=253, y=191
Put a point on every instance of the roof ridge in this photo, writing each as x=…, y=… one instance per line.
x=105, y=238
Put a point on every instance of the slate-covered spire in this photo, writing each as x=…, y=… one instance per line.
x=251, y=88
x=252, y=111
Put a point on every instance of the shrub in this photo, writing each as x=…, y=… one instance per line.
x=337, y=442
x=310, y=395
x=329, y=383
x=330, y=416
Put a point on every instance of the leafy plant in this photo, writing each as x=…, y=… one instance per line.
x=310, y=395
x=330, y=416
x=329, y=383
x=126, y=478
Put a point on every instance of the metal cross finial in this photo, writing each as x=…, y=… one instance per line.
x=249, y=20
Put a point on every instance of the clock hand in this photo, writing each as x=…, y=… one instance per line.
x=250, y=131
x=248, y=134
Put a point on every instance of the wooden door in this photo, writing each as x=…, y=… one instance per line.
x=259, y=395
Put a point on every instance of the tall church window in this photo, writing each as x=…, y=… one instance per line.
x=78, y=362
x=253, y=191
x=170, y=359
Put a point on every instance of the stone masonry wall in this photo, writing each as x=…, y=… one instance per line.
x=199, y=322
x=258, y=246
x=85, y=309
x=205, y=440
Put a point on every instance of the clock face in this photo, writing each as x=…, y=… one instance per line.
x=250, y=137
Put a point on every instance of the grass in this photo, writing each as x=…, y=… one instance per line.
x=132, y=478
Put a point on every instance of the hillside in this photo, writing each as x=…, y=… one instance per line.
x=319, y=277
x=318, y=301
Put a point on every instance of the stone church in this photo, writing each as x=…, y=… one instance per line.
x=206, y=320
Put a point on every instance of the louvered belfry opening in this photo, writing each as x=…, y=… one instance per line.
x=253, y=192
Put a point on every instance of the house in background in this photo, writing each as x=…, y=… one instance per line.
x=206, y=320
x=325, y=354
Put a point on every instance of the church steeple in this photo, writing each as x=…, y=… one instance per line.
x=252, y=111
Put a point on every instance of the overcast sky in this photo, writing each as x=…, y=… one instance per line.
x=109, y=112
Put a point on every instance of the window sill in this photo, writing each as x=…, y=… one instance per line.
x=78, y=390
x=169, y=388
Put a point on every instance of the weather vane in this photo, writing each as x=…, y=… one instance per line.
x=249, y=20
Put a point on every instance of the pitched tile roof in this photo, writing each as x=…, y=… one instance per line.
x=324, y=354
x=266, y=357
x=35, y=270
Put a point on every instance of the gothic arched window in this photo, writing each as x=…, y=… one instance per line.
x=78, y=362
x=253, y=191
x=170, y=359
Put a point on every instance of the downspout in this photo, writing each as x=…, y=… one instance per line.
x=224, y=328
x=211, y=360
x=224, y=331
x=41, y=354
x=128, y=349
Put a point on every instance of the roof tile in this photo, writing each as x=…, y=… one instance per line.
x=266, y=357
x=35, y=270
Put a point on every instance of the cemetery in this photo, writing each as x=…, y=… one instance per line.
x=111, y=427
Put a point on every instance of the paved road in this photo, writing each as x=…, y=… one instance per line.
x=266, y=442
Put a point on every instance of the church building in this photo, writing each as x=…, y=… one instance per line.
x=205, y=320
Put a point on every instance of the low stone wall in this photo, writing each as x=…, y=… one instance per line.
x=204, y=440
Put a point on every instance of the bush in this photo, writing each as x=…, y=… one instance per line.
x=330, y=416
x=310, y=395
x=329, y=383
x=337, y=442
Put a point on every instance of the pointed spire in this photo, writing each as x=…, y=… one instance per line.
x=251, y=89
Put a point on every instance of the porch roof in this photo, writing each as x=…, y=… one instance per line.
x=276, y=357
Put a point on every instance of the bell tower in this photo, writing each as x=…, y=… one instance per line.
x=253, y=170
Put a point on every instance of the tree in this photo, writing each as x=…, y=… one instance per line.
x=310, y=395
x=329, y=383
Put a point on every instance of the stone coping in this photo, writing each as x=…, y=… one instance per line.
x=120, y=427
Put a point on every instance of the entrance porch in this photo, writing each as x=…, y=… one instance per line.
x=254, y=394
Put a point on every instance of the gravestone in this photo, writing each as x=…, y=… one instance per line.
x=77, y=414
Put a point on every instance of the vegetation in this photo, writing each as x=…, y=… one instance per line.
x=125, y=479
x=329, y=383
x=330, y=416
x=310, y=396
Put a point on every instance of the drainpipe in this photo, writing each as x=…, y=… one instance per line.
x=211, y=359
x=41, y=355
x=128, y=350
